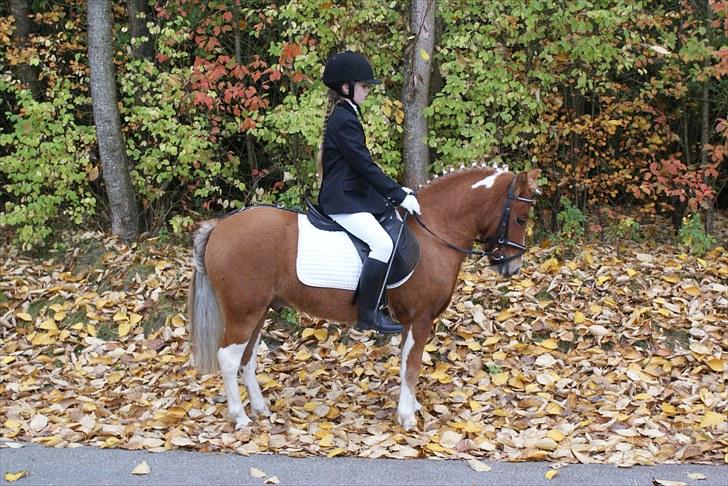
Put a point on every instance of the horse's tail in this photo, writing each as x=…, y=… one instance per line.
x=203, y=310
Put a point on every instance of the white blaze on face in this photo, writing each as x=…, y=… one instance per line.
x=490, y=180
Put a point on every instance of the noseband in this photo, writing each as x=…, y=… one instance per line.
x=495, y=253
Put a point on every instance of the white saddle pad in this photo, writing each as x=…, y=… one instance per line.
x=328, y=258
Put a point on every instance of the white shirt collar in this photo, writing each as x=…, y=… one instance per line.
x=356, y=108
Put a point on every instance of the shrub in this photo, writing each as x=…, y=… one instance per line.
x=45, y=168
x=571, y=223
x=693, y=236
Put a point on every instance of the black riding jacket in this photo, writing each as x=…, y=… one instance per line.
x=352, y=182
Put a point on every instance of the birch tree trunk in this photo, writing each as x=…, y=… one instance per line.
x=416, y=91
x=26, y=73
x=112, y=150
x=142, y=46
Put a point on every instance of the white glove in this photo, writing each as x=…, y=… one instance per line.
x=410, y=204
x=408, y=190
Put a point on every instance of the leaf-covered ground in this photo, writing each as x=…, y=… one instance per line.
x=612, y=353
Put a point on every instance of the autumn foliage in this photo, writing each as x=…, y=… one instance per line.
x=623, y=106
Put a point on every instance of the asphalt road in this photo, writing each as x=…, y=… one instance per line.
x=92, y=466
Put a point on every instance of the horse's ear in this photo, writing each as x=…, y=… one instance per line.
x=529, y=180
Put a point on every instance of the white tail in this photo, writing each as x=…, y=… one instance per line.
x=206, y=326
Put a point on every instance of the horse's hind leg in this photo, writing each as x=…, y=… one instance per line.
x=240, y=334
x=257, y=403
x=229, y=359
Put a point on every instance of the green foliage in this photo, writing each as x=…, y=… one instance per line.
x=625, y=228
x=571, y=223
x=45, y=168
x=175, y=163
x=692, y=235
x=604, y=97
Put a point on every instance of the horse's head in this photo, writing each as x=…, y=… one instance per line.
x=504, y=238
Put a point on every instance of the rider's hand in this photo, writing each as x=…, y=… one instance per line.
x=411, y=204
x=408, y=190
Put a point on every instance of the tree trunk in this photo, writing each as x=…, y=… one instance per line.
x=112, y=150
x=142, y=46
x=415, y=93
x=706, y=128
x=27, y=74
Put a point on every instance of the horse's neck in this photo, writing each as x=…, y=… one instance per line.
x=449, y=209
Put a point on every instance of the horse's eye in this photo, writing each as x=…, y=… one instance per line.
x=520, y=221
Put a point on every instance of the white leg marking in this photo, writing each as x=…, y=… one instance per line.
x=407, y=405
x=257, y=403
x=229, y=360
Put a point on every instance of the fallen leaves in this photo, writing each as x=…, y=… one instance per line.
x=141, y=469
x=14, y=476
x=603, y=357
x=479, y=466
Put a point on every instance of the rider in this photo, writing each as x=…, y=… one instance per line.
x=354, y=190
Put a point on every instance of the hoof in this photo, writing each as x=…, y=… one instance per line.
x=262, y=411
x=241, y=420
x=407, y=422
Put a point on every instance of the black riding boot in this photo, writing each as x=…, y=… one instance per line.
x=370, y=284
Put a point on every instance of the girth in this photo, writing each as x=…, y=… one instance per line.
x=406, y=254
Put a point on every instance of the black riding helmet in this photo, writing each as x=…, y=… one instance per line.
x=348, y=67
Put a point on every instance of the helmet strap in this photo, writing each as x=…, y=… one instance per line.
x=351, y=92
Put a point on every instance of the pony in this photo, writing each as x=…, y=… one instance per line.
x=245, y=263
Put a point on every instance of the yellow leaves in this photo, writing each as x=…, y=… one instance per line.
x=468, y=426
x=711, y=419
x=550, y=266
x=302, y=355
x=14, y=476
x=42, y=339
x=491, y=340
x=579, y=317
x=551, y=474
x=554, y=408
x=668, y=408
x=717, y=364
x=504, y=315
x=441, y=373
x=549, y=343
x=692, y=291
x=320, y=334
x=555, y=435
x=24, y=316
x=124, y=329
x=500, y=379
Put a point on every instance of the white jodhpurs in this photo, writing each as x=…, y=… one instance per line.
x=366, y=227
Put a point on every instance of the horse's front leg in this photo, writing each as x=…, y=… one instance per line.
x=414, y=345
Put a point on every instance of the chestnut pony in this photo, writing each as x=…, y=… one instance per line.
x=245, y=263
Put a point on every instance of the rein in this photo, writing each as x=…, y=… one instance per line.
x=501, y=238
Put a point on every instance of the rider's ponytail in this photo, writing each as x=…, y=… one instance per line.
x=333, y=98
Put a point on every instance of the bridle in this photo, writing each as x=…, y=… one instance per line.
x=497, y=243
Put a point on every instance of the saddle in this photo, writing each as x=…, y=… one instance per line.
x=406, y=253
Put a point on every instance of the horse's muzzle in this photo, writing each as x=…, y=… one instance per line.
x=509, y=268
